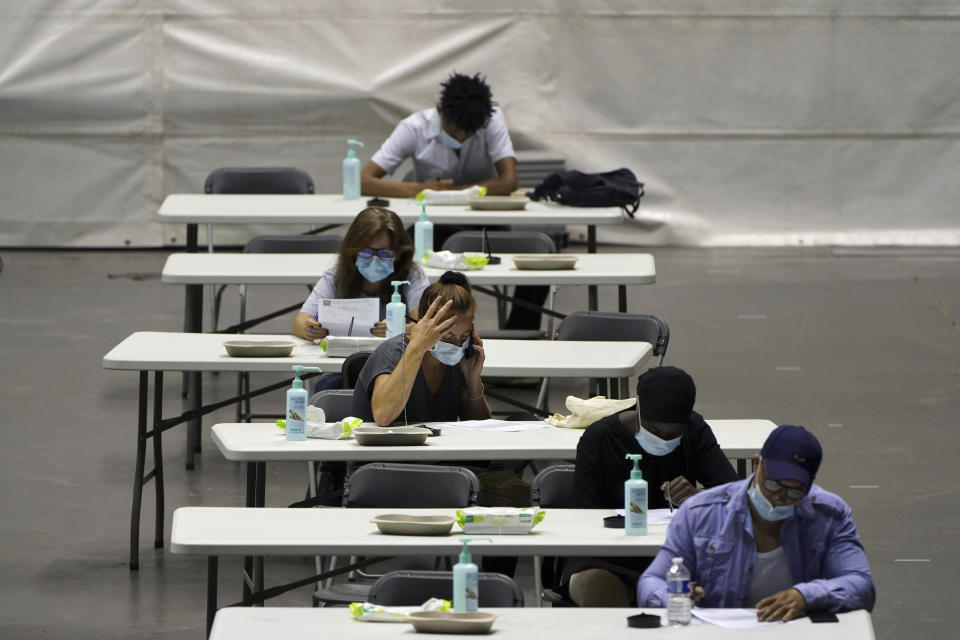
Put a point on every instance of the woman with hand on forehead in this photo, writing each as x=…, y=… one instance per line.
x=375, y=250
x=435, y=372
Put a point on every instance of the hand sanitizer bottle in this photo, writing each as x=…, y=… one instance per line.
x=396, y=310
x=296, y=414
x=351, y=171
x=635, y=500
x=422, y=236
x=466, y=579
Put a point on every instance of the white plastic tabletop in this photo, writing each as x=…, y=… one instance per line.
x=238, y=531
x=174, y=351
x=297, y=623
x=198, y=208
x=307, y=268
x=261, y=441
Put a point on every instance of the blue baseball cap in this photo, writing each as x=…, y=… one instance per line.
x=792, y=453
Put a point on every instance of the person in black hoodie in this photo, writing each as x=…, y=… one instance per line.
x=679, y=453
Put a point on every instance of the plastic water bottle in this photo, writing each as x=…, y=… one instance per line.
x=678, y=594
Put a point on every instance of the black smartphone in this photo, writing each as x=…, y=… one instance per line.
x=434, y=431
x=469, y=351
x=378, y=202
x=823, y=616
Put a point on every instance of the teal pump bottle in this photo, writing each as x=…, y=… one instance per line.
x=466, y=580
x=635, y=500
x=351, y=171
x=396, y=310
x=422, y=236
x=296, y=415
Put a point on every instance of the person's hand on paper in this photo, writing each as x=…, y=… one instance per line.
x=472, y=366
x=680, y=490
x=306, y=326
x=784, y=605
x=379, y=330
x=428, y=331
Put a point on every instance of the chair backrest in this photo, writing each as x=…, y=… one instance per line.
x=258, y=180
x=606, y=326
x=409, y=588
x=337, y=404
x=501, y=241
x=293, y=244
x=553, y=488
x=352, y=366
x=395, y=485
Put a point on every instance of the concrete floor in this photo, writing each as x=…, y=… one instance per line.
x=861, y=346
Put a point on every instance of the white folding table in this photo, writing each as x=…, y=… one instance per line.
x=215, y=532
x=617, y=269
x=296, y=623
x=210, y=209
x=146, y=351
x=257, y=443
x=193, y=209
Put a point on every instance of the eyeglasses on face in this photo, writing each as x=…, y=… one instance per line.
x=773, y=486
x=369, y=252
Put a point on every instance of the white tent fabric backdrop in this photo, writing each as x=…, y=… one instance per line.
x=751, y=122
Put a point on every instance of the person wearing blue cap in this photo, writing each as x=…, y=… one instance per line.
x=775, y=541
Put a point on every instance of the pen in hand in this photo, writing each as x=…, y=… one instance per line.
x=316, y=318
x=669, y=501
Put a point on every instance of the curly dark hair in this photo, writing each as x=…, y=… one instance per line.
x=466, y=102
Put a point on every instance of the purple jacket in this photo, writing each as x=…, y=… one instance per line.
x=713, y=533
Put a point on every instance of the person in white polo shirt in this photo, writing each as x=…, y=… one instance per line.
x=460, y=142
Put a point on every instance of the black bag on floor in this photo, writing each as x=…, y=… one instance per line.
x=618, y=188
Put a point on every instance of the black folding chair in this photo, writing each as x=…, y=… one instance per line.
x=410, y=588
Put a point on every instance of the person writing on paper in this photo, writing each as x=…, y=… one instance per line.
x=435, y=373
x=461, y=142
x=775, y=541
x=679, y=452
x=375, y=250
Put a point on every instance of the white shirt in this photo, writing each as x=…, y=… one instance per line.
x=418, y=137
x=771, y=575
x=325, y=289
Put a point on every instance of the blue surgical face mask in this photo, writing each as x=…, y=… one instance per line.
x=449, y=141
x=652, y=444
x=655, y=445
x=765, y=508
x=374, y=268
x=449, y=354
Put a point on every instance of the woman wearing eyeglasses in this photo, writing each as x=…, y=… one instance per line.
x=375, y=251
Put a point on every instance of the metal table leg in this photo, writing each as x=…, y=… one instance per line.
x=192, y=323
x=211, y=591
x=138, y=474
x=592, y=304
x=158, y=457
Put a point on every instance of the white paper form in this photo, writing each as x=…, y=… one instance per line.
x=654, y=516
x=730, y=618
x=495, y=425
x=350, y=316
